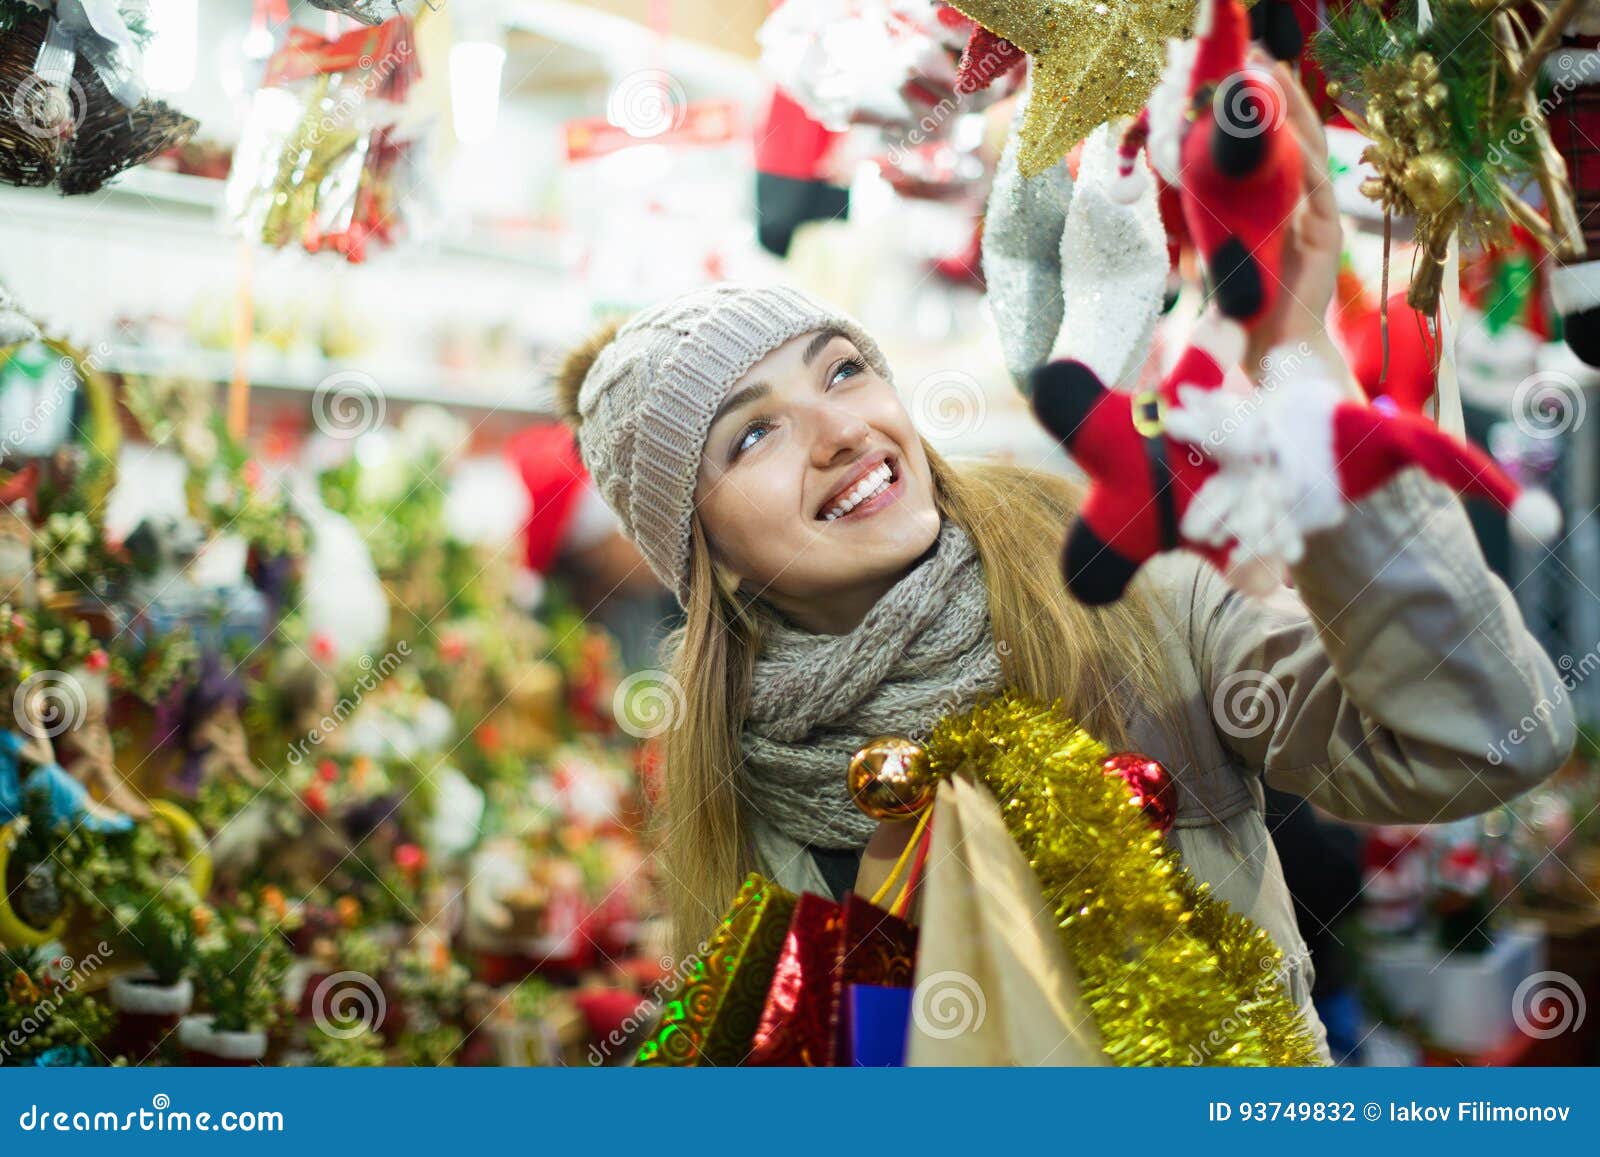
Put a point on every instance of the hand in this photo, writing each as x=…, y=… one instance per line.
x=1316, y=236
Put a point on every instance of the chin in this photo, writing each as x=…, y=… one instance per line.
x=890, y=547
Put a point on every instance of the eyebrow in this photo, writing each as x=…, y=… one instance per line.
x=746, y=394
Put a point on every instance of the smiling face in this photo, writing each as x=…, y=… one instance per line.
x=813, y=486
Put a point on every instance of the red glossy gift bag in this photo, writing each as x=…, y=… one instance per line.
x=830, y=946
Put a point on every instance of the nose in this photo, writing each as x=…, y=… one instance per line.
x=840, y=433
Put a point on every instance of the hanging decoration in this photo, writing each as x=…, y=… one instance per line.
x=1218, y=137
x=365, y=11
x=1456, y=126
x=1090, y=63
x=323, y=159
x=906, y=66
x=1063, y=250
x=1241, y=477
x=74, y=110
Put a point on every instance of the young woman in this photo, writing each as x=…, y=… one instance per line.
x=841, y=580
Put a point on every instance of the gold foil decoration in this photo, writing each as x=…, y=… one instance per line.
x=1090, y=61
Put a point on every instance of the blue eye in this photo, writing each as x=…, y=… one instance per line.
x=744, y=442
x=850, y=367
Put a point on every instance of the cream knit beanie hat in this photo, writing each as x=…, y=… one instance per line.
x=641, y=402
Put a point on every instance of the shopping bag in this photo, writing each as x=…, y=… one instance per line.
x=712, y=1016
x=875, y=948
x=797, y=1022
x=879, y=1019
x=993, y=984
x=830, y=946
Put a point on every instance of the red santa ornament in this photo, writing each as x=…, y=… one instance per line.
x=1216, y=130
x=1240, y=476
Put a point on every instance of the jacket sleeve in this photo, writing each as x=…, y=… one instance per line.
x=1397, y=682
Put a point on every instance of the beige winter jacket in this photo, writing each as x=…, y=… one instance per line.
x=1395, y=684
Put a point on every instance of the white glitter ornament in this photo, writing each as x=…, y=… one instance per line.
x=1113, y=267
x=1022, y=233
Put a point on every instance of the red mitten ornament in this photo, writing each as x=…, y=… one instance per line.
x=1240, y=476
x=1217, y=132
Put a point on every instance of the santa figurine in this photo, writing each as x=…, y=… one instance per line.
x=1215, y=131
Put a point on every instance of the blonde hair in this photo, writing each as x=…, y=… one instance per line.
x=1098, y=662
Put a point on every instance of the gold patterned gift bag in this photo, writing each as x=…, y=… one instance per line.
x=712, y=1014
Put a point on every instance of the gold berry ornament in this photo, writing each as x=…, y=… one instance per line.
x=889, y=778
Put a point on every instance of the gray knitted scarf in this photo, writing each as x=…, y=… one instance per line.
x=924, y=650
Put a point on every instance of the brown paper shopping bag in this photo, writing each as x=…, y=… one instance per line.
x=994, y=985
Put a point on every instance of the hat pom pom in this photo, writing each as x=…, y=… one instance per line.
x=575, y=368
x=1535, y=517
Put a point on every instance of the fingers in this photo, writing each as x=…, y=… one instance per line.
x=1307, y=125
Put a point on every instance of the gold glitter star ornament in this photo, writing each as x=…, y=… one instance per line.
x=1092, y=61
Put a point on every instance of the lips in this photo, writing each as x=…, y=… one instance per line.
x=855, y=489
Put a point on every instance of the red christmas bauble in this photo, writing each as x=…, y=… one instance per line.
x=1150, y=783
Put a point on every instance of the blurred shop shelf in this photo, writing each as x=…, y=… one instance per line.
x=527, y=392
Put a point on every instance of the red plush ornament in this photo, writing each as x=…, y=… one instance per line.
x=1409, y=379
x=1217, y=131
x=985, y=59
x=1239, y=476
x=1150, y=784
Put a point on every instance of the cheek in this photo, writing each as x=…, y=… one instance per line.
x=746, y=512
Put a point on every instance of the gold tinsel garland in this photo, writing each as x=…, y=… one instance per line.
x=1172, y=975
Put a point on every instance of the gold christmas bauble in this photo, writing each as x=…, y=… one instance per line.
x=1432, y=181
x=889, y=778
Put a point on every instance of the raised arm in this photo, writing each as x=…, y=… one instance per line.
x=1397, y=683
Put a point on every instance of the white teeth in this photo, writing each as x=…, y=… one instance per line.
x=869, y=487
